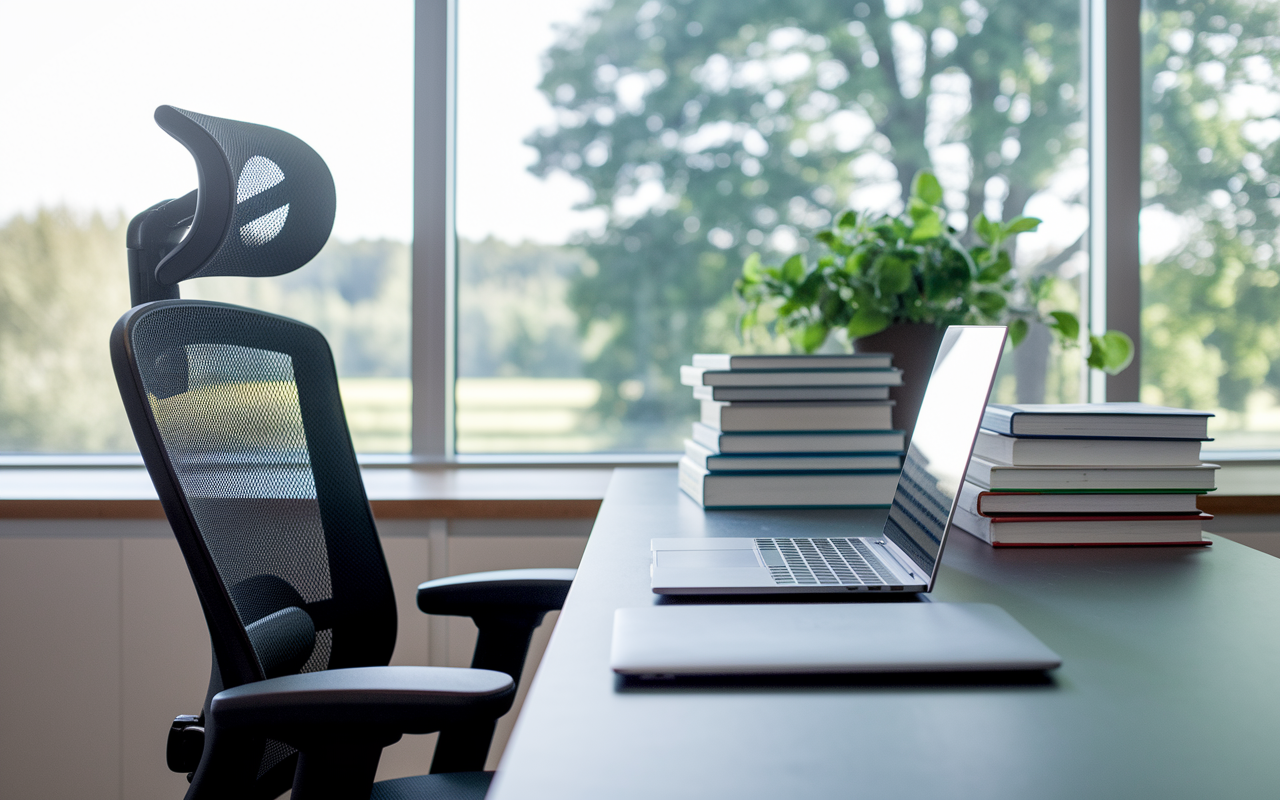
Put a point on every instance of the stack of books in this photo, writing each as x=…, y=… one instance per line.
x=789, y=431
x=1087, y=474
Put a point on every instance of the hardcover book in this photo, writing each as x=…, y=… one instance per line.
x=995, y=477
x=793, y=490
x=989, y=504
x=698, y=376
x=789, y=462
x=718, y=441
x=724, y=361
x=738, y=416
x=790, y=393
x=1036, y=451
x=1098, y=420
x=1084, y=530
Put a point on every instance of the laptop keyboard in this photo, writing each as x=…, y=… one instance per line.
x=823, y=562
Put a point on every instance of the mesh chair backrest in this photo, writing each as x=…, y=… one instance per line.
x=266, y=200
x=238, y=417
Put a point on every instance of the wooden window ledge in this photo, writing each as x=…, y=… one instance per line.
x=394, y=493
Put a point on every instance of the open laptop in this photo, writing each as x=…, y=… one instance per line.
x=901, y=556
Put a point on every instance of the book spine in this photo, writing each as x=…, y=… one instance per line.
x=691, y=376
x=707, y=437
x=999, y=420
x=691, y=480
x=973, y=524
x=696, y=453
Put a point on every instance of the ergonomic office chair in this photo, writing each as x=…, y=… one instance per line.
x=240, y=424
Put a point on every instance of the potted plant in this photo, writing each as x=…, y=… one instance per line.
x=895, y=282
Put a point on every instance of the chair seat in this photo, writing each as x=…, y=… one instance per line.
x=441, y=786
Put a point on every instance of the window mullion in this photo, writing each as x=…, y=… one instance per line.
x=432, y=352
x=1115, y=199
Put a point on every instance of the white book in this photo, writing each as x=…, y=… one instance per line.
x=789, y=462
x=1000, y=531
x=996, y=477
x=771, y=490
x=979, y=501
x=854, y=415
x=1097, y=420
x=698, y=376
x=718, y=441
x=724, y=361
x=1016, y=451
x=790, y=393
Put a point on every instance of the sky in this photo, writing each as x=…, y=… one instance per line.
x=500, y=44
x=84, y=78
x=77, y=128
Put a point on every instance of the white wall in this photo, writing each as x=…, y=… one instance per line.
x=104, y=643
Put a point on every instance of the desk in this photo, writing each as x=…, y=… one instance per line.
x=1170, y=686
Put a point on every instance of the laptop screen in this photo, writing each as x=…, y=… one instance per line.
x=938, y=454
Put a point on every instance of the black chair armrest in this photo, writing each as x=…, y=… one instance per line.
x=504, y=592
x=400, y=699
x=339, y=720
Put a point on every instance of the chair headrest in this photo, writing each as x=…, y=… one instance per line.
x=265, y=205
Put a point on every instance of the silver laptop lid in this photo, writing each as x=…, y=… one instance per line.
x=938, y=455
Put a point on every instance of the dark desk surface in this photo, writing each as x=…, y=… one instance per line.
x=1170, y=686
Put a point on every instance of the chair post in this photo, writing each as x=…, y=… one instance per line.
x=502, y=645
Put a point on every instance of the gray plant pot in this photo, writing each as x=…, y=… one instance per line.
x=914, y=347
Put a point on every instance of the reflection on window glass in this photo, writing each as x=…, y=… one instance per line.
x=1210, y=217
x=83, y=155
x=618, y=160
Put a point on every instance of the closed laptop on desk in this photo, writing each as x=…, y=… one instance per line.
x=822, y=638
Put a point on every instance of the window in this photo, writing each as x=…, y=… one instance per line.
x=82, y=155
x=1211, y=215
x=671, y=139
x=615, y=162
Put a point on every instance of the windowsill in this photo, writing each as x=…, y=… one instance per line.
x=124, y=492
x=472, y=487
x=380, y=461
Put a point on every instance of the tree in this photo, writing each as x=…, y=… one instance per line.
x=62, y=286
x=1210, y=328
x=707, y=130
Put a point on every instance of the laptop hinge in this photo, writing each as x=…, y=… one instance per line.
x=901, y=562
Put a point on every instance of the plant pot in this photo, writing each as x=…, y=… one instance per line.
x=914, y=347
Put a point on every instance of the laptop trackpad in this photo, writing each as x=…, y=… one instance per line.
x=706, y=558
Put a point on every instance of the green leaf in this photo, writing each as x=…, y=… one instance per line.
x=793, y=269
x=749, y=320
x=1039, y=287
x=1021, y=225
x=866, y=321
x=893, y=275
x=985, y=229
x=927, y=227
x=1066, y=324
x=995, y=270
x=847, y=220
x=990, y=303
x=927, y=188
x=1018, y=331
x=826, y=237
x=813, y=335
x=1112, y=352
x=751, y=269
x=1097, y=352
